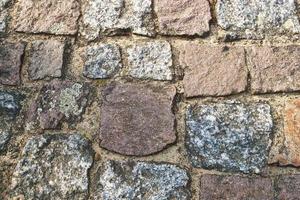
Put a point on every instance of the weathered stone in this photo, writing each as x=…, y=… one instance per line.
x=3, y=15
x=254, y=19
x=213, y=70
x=53, y=167
x=185, y=17
x=46, y=59
x=4, y=139
x=57, y=102
x=230, y=136
x=10, y=63
x=117, y=17
x=235, y=187
x=274, y=69
x=10, y=105
x=141, y=180
x=288, y=187
x=137, y=120
x=151, y=60
x=47, y=16
x=289, y=152
x=102, y=61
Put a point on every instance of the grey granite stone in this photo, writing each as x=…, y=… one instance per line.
x=102, y=61
x=4, y=139
x=254, y=19
x=141, y=181
x=10, y=105
x=53, y=167
x=151, y=60
x=230, y=136
x=117, y=17
x=3, y=15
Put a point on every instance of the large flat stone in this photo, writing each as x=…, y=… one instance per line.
x=141, y=180
x=274, y=69
x=220, y=187
x=213, y=70
x=230, y=136
x=46, y=59
x=185, y=17
x=10, y=63
x=53, y=167
x=117, y=17
x=137, y=119
x=57, y=17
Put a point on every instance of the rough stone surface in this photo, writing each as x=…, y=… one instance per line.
x=116, y=17
x=10, y=105
x=230, y=136
x=151, y=60
x=185, y=17
x=213, y=70
x=254, y=19
x=53, y=167
x=47, y=16
x=57, y=102
x=141, y=180
x=289, y=153
x=235, y=187
x=3, y=15
x=288, y=187
x=137, y=120
x=274, y=69
x=102, y=61
x=10, y=63
x=46, y=59
x=4, y=139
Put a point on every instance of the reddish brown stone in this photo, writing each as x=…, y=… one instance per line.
x=184, y=17
x=274, y=69
x=137, y=120
x=47, y=16
x=213, y=70
x=235, y=187
x=288, y=187
x=10, y=63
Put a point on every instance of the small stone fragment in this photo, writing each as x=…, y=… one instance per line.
x=288, y=187
x=137, y=120
x=235, y=187
x=57, y=102
x=47, y=16
x=102, y=61
x=230, y=136
x=254, y=19
x=10, y=105
x=185, y=17
x=274, y=69
x=46, y=59
x=53, y=167
x=117, y=17
x=289, y=153
x=4, y=139
x=151, y=60
x=213, y=70
x=10, y=63
x=141, y=180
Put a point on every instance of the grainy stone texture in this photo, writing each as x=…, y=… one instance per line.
x=288, y=187
x=137, y=120
x=47, y=16
x=117, y=17
x=57, y=102
x=230, y=136
x=254, y=19
x=141, y=180
x=10, y=63
x=213, y=70
x=151, y=60
x=53, y=167
x=289, y=152
x=3, y=15
x=4, y=139
x=274, y=69
x=102, y=61
x=185, y=17
x=235, y=187
x=10, y=105
x=46, y=59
